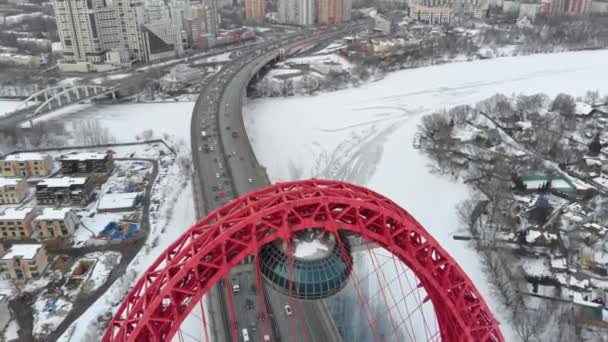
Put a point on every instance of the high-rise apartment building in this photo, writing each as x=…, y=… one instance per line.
x=255, y=9
x=298, y=12
x=571, y=6
x=129, y=15
x=98, y=35
x=331, y=12
x=80, y=28
x=212, y=19
x=162, y=34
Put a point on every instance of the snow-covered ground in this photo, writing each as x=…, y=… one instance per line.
x=11, y=331
x=49, y=313
x=101, y=271
x=365, y=134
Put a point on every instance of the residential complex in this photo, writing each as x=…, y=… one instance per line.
x=298, y=12
x=311, y=12
x=12, y=190
x=16, y=224
x=55, y=223
x=25, y=261
x=255, y=9
x=81, y=26
x=331, y=12
x=65, y=191
x=79, y=163
x=98, y=36
x=27, y=164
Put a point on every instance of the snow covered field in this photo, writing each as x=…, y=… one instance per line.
x=364, y=135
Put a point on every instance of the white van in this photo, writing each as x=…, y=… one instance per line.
x=245, y=335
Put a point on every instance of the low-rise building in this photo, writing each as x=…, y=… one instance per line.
x=65, y=191
x=84, y=163
x=25, y=261
x=55, y=223
x=12, y=190
x=16, y=224
x=119, y=202
x=27, y=164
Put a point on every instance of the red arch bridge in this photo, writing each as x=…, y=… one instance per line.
x=423, y=293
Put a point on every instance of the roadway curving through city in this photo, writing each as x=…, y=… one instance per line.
x=225, y=167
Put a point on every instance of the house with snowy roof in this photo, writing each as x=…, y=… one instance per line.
x=53, y=223
x=64, y=191
x=27, y=164
x=24, y=261
x=86, y=163
x=12, y=190
x=16, y=223
x=556, y=183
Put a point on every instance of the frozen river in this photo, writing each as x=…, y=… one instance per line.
x=364, y=135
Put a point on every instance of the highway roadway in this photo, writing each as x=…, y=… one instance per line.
x=225, y=166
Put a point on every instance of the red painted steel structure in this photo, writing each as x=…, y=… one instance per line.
x=169, y=290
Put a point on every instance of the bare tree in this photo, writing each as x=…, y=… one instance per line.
x=527, y=104
x=436, y=126
x=90, y=132
x=563, y=104
x=460, y=114
x=592, y=97
x=184, y=162
x=294, y=171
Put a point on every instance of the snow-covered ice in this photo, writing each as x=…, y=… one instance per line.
x=7, y=106
x=364, y=134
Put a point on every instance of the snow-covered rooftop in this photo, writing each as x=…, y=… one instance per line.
x=15, y=213
x=532, y=235
x=9, y=181
x=25, y=251
x=559, y=264
x=53, y=214
x=117, y=201
x=81, y=156
x=583, y=108
x=26, y=156
x=63, y=181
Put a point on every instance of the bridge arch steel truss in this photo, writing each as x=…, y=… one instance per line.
x=72, y=95
x=41, y=95
x=169, y=290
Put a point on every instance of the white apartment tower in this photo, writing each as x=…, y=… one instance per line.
x=212, y=18
x=81, y=25
x=129, y=14
x=298, y=12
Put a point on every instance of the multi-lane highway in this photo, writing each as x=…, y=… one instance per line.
x=225, y=166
